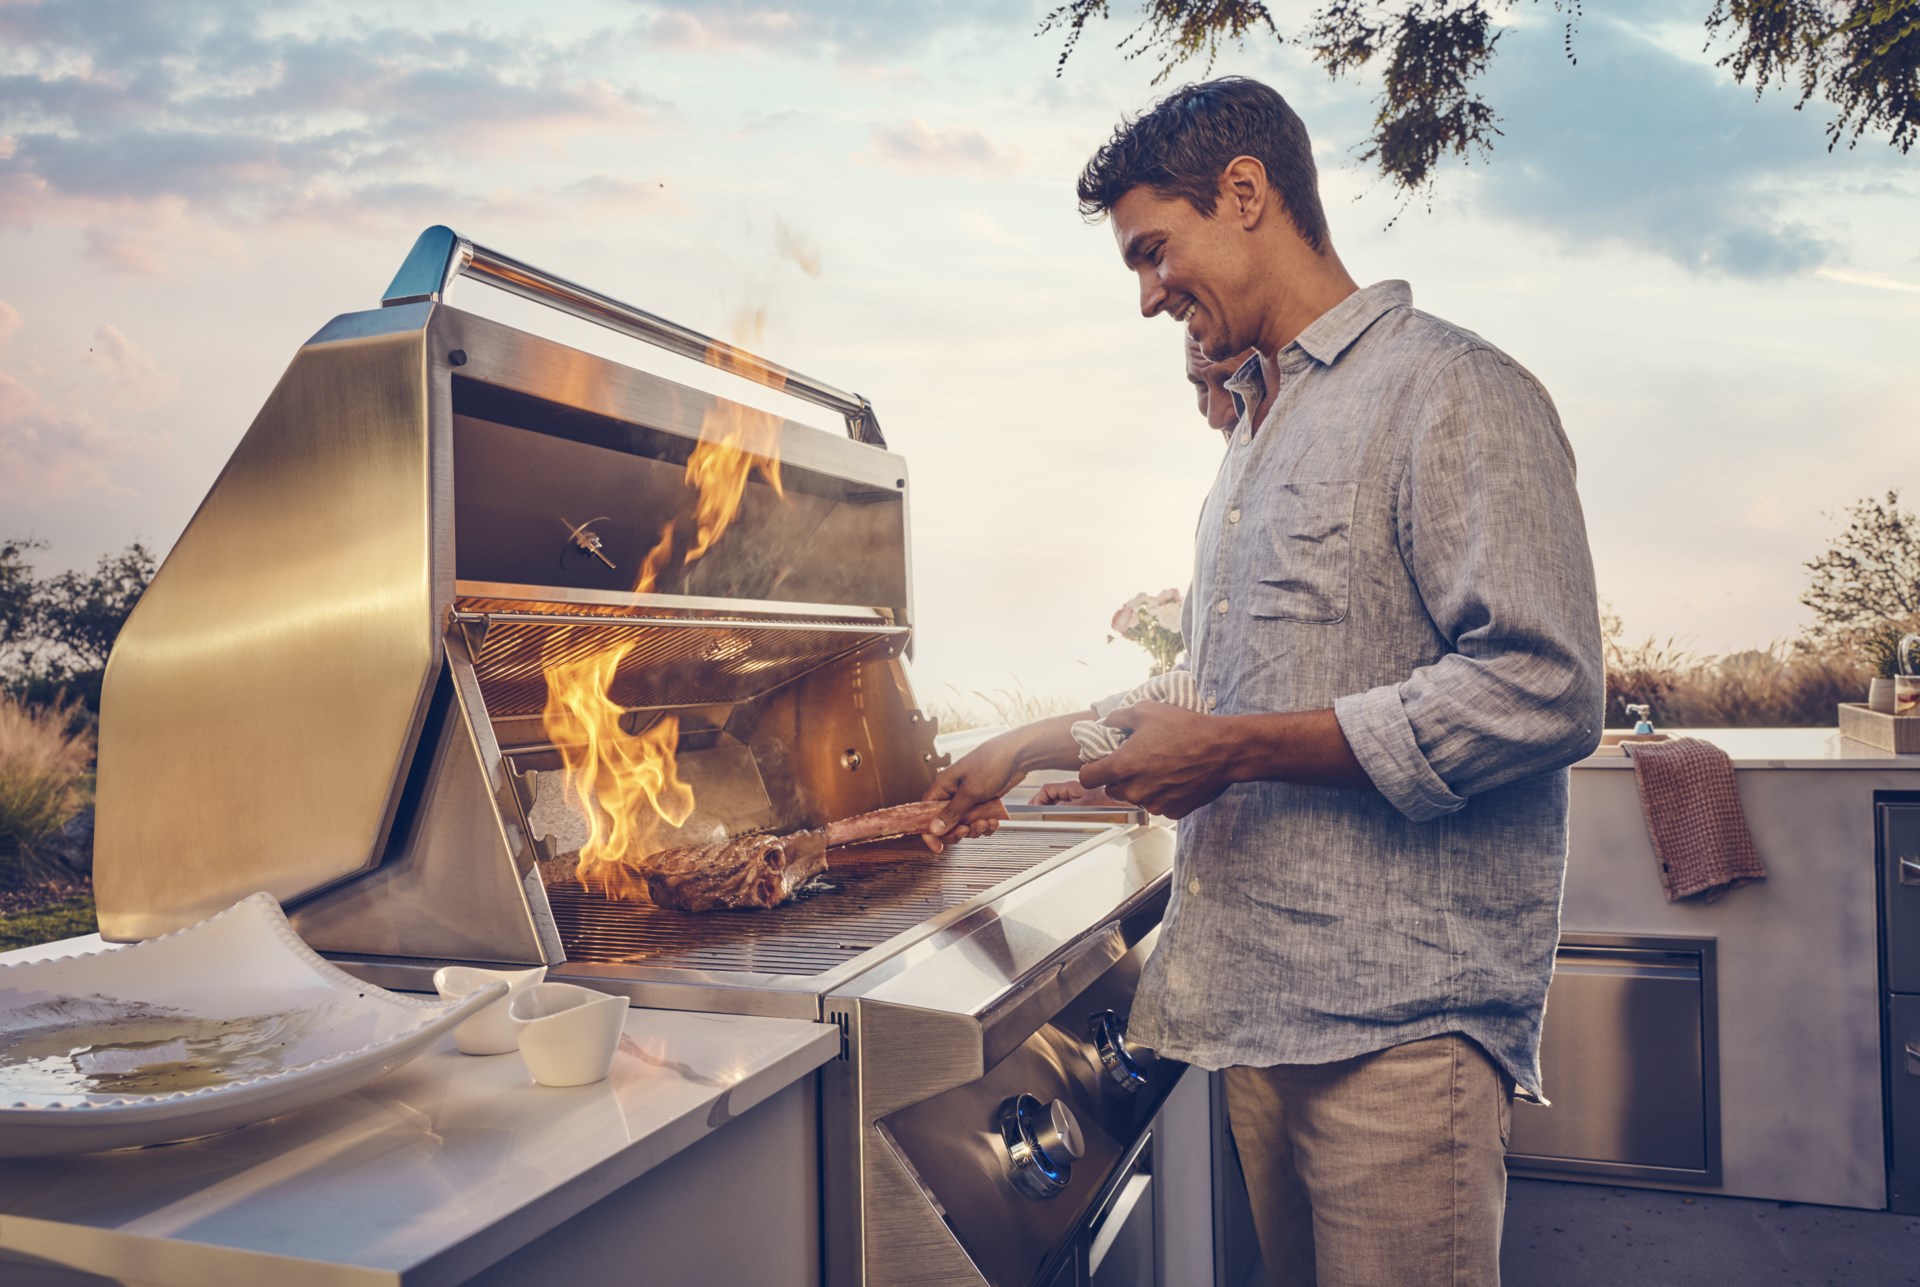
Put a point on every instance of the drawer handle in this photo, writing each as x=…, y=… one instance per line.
x=1913, y=1060
x=1910, y=871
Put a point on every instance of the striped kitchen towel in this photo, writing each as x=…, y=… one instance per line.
x=1694, y=818
x=1098, y=739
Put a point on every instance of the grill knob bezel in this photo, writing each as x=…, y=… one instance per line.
x=1126, y=1066
x=1042, y=1143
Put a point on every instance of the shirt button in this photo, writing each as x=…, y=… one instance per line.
x=1220, y=606
x=1193, y=886
x=1210, y=702
x=1233, y=516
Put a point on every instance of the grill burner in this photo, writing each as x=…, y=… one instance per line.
x=866, y=902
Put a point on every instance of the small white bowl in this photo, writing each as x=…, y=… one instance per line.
x=490, y=1031
x=567, y=1034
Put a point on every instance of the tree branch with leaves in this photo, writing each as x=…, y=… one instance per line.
x=1861, y=56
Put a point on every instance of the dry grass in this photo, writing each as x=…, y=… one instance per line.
x=1778, y=686
x=43, y=773
x=1010, y=706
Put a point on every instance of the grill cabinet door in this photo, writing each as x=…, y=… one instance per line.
x=1900, y=879
x=1625, y=1060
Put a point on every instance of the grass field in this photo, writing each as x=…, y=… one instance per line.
x=45, y=924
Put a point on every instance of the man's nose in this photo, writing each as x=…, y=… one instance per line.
x=1152, y=297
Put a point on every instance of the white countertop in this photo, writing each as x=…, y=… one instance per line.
x=426, y=1176
x=1777, y=748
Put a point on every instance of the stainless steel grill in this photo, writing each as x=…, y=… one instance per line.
x=866, y=898
x=343, y=656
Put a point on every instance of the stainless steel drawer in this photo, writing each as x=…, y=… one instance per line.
x=1899, y=827
x=1628, y=1059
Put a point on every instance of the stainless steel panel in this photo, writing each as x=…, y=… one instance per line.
x=275, y=674
x=1903, y=1103
x=1122, y=1253
x=461, y=884
x=530, y=474
x=575, y=395
x=1899, y=845
x=1626, y=1058
x=949, y=1146
x=440, y=254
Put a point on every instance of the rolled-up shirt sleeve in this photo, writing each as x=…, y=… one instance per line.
x=1491, y=529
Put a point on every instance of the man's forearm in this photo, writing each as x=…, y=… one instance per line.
x=1299, y=746
x=1048, y=743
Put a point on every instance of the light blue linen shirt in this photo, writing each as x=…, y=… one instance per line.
x=1401, y=541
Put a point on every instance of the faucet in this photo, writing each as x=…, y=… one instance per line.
x=1643, y=719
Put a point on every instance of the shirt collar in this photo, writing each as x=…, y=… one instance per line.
x=1334, y=331
x=1247, y=385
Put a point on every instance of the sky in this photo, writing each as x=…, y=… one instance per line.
x=1724, y=311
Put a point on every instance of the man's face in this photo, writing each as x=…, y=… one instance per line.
x=1209, y=381
x=1192, y=267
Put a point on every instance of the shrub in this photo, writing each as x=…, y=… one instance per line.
x=43, y=771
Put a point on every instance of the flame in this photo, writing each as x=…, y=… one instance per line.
x=627, y=784
x=624, y=783
x=734, y=440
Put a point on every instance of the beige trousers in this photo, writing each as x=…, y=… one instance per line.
x=1388, y=1170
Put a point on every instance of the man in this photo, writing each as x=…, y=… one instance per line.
x=1223, y=406
x=1394, y=631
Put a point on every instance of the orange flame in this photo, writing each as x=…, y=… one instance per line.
x=734, y=440
x=623, y=783
x=627, y=784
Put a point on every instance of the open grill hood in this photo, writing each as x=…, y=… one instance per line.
x=332, y=690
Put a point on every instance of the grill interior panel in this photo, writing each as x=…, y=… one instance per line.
x=855, y=908
x=670, y=659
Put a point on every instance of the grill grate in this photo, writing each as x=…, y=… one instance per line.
x=675, y=659
x=866, y=905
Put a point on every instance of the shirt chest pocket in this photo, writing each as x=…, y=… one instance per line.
x=1303, y=564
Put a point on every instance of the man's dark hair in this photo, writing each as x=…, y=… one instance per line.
x=1180, y=147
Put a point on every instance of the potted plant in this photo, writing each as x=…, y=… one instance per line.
x=1882, y=648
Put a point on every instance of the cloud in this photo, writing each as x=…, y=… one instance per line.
x=122, y=115
x=915, y=145
x=127, y=370
x=858, y=31
x=50, y=451
x=1639, y=146
x=1873, y=281
x=1765, y=512
x=57, y=445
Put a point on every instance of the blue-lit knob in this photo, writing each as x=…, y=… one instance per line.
x=1126, y=1066
x=1042, y=1142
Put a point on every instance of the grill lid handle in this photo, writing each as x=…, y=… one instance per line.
x=440, y=254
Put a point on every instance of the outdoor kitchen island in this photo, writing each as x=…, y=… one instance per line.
x=694, y=1162
x=1735, y=1047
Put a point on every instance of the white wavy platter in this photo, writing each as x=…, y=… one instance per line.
x=215, y=1026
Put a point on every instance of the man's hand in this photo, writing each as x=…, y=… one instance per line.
x=1071, y=792
x=972, y=786
x=1173, y=761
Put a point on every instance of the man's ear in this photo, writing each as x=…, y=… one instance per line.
x=1244, y=191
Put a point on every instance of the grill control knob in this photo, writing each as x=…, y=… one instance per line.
x=1126, y=1065
x=1042, y=1141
